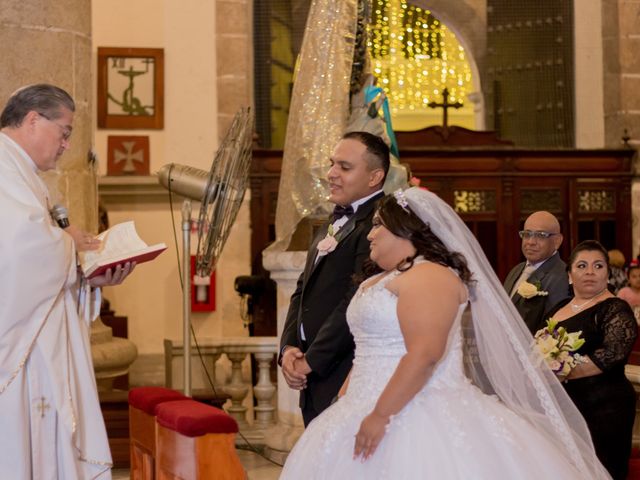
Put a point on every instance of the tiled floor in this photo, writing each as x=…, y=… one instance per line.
x=257, y=468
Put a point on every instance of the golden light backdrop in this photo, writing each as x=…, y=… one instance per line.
x=415, y=57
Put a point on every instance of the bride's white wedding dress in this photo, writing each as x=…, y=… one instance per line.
x=449, y=430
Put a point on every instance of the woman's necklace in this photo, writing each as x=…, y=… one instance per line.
x=576, y=308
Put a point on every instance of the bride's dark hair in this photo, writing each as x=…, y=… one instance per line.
x=405, y=224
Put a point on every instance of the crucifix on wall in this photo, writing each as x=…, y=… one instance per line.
x=445, y=105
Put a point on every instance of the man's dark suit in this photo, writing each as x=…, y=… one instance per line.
x=319, y=303
x=552, y=277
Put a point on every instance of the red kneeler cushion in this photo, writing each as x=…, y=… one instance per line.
x=194, y=419
x=148, y=398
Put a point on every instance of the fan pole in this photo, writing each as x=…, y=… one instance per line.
x=186, y=294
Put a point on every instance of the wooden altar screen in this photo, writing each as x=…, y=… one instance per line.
x=493, y=190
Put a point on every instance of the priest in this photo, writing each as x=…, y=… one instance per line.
x=51, y=425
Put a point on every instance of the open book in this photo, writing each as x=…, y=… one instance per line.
x=120, y=244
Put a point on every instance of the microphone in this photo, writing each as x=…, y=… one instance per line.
x=60, y=215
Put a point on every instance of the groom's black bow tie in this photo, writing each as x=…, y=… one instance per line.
x=339, y=211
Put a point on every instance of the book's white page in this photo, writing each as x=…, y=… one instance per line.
x=118, y=240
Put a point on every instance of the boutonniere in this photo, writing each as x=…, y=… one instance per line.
x=529, y=290
x=328, y=244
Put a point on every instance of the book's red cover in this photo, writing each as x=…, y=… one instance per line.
x=140, y=258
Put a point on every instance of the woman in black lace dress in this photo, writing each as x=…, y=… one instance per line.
x=598, y=386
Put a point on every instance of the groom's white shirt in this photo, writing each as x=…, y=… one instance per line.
x=337, y=225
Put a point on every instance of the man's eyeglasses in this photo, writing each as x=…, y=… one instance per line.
x=528, y=234
x=66, y=131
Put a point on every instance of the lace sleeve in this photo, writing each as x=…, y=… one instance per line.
x=619, y=330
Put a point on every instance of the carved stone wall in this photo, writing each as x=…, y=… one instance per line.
x=234, y=51
x=621, y=40
x=50, y=42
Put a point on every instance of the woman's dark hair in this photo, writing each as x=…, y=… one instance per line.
x=633, y=266
x=589, y=246
x=406, y=224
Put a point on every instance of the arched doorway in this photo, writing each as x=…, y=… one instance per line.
x=415, y=56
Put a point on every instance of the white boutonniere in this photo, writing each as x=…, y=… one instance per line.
x=529, y=290
x=328, y=244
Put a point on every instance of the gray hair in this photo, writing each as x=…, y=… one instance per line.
x=42, y=98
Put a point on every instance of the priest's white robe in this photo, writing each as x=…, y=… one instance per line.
x=51, y=426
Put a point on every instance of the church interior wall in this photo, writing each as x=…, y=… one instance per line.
x=208, y=74
x=589, y=101
x=197, y=114
x=621, y=86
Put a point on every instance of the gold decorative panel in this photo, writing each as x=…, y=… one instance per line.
x=474, y=201
x=596, y=201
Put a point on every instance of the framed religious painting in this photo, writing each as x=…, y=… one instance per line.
x=130, y=88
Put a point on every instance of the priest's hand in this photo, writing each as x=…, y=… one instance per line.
x=295, y=379
x=84, y=240
x=113, y=276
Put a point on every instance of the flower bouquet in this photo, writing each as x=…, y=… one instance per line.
x=557, y=348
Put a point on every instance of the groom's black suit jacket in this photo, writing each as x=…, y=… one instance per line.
x=319, y=303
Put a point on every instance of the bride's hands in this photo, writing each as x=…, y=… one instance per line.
x=372, y=429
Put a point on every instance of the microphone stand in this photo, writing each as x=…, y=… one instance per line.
x=186, y=294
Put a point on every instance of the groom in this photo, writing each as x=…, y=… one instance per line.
x=316, y=345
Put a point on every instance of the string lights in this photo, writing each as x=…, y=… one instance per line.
x=415, y=56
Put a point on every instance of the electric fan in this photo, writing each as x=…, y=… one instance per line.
x=220, y=192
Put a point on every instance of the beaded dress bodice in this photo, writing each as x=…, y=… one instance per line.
x=373, y=320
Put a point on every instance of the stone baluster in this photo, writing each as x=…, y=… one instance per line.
x=237, y=388
x=264, y=391
x=236, y=349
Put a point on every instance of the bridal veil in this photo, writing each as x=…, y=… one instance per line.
x=502, y=361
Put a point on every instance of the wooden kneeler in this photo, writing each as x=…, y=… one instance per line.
x=142, y=428
x=195, y=442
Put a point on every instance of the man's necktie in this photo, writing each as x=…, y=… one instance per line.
x=528, y=270
x=340, y=211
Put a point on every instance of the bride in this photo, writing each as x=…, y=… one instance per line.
x=408, y=410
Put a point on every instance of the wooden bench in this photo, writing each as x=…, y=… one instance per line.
x=195, y=441
x=143, y=402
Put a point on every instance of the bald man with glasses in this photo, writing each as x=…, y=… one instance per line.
x=541, y=281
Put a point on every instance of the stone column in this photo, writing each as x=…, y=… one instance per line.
x=49, y=41
x=285, y=268
x=234, y=51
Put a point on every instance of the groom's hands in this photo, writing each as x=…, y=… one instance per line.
x=295, y=368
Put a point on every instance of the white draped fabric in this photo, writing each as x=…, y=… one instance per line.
x=51, y=425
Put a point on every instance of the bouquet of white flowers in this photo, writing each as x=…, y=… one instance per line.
x=557, y=347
